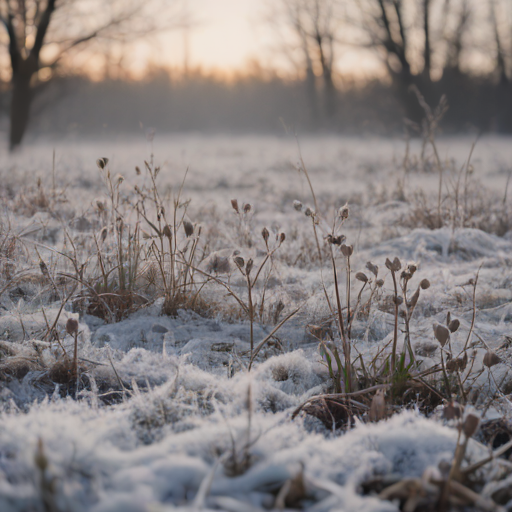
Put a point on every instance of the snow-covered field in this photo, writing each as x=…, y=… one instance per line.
x=161, y=412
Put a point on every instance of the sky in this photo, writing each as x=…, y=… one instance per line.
x=226, y=36
x=230, y=34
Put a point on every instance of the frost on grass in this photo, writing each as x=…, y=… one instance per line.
x=161, y=412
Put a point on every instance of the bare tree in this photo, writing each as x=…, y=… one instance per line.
x=313, y=27
x=418, y=39
x=41, y=34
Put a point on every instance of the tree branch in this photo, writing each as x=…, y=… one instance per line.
x=42, y=29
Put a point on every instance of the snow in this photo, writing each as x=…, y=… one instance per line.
x=185, y=408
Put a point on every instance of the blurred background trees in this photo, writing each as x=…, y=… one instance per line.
x=460, y=48
x=44, y=37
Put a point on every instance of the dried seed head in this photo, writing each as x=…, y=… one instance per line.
x=137, y=170
x=374, y=269
x=167, y=231
x=335, y=240
x=240, y=263
x=442, y=334
x=103, y=233
x=102, y=162
x=44, y=269
x=188, y=227
x=470, y=425
x=309, y=212
x=380, y=283
x=347, y=250
x=397, y=300
x=458, y=364
x=119, y=179
x=425, y=284
x=361, y=276
x=247, y=208
x=282, y=238
x=265, y=234
x=491, y=359
x=394, y=265
x=100, y=205
x=298, y=205
x=454, y=325
x=452, y=411
x=72, y=326
x=248, y=266
x=343, y=212
x=234, y=204
x=406, y=275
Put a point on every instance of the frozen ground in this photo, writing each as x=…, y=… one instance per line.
x=166, y=415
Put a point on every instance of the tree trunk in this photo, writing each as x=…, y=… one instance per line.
x=311, y=94
x=330, y=94
x=20, y=102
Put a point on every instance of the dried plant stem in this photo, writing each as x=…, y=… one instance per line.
x=251, y=311
x=473, y=317
x=395, y=330
x=345, y=344
x=262, y=343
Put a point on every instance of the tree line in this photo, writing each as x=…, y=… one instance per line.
x=428, y=48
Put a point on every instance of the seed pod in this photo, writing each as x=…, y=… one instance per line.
x=72, y=326
x=44, y=269
x=167, y=231
x=248, y=266
x=234, y=204
x=491, y=359
x=361, y=276
x=452, y=410
x=442, y=334
x=470, y=425
x=282, y=238
x=188, y=227
x=374, y=269
x=406, y=275
x=103, y=233
x=459, y=363
x=347, y=250
x=343, y=212
x=265, y=234
x=425, y=284
x=247, y=208
x=239, y=262
x=394, y=265
x=137, y=170
x=454, y=325
x=102, y=162
x=298, y=205
x=397, y=300
x=448, y=318
x=380, y=283
x=308, y=212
